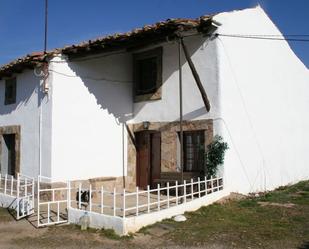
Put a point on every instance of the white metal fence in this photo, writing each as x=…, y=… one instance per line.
x=8, y=185
x=52, y=202
x=127, y=204
x=22, y=189
x=55, y=199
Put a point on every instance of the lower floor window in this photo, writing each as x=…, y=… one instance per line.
x=193, y=149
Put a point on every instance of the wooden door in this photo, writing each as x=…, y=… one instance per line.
x=142, y=159
x=148, y=157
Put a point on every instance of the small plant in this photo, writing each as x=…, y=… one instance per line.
x=214, y=155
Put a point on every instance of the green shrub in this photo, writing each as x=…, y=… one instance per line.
x=214, y=155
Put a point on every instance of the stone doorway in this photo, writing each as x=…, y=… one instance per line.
x=148, y=158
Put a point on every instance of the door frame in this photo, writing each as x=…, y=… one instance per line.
x=13, y=129
x=150, y=153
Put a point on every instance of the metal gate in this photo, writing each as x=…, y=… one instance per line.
x=25, y=197
x=53, y=199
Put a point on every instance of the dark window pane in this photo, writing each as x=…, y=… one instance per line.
x=147, y=75
x=193, y=150
x=10, y=91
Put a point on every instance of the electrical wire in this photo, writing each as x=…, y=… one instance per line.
x=89, y=78
x=265, y=37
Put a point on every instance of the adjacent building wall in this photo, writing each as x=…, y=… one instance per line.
x=265, y=97
x=30, y=102
x=92, y=99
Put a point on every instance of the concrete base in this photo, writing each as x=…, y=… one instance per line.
x=7, y=201
x=123, y=226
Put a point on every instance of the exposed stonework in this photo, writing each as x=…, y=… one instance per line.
x=169, y=140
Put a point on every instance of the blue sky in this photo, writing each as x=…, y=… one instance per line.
x=72, y=21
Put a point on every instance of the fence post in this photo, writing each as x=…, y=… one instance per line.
x=5, y=182
x=114, y=202
x=0, y=180
x=158, y=193
x=68, y=195
x=38, y=199
x=26, y=187
x=33, y=184
x=199, y=187
x=12, y=183
x=192, y=196
x=205, y=179
x=148, y=199
x=90, y=199
x=124, y=203
x=211, y=184
x=217, y=184
x=176, y=189
x=184, y=191
x=102, y=202
x=79, y=196
x=48, y=212
x=137, y=201
x=17, y=196
x=168, y=194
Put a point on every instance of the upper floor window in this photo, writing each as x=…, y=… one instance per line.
x=147, y=75
x=10, y=91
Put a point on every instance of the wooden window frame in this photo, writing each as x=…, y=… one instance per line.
x=12, y=82
x=196, y=167
x=157, y=52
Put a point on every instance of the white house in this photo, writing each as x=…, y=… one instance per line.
x=108, y=110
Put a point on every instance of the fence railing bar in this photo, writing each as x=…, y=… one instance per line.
x=102, y=199
x=5, y=183
x=90, y=197
x=79, y=196
x=158, y=193
x=148, y=199
x=137, y=201
x=114, y=201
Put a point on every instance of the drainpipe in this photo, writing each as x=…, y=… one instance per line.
x=43, y=91
x=40, y=130
x=180, y=105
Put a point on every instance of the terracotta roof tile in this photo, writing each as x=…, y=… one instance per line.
x=115, y=41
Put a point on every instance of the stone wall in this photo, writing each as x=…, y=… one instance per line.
x=169, y=143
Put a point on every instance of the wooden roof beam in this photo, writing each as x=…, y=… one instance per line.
x=196, y=76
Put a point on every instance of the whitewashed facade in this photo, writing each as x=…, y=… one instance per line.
x=258, y=91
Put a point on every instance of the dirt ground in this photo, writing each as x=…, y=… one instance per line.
x=276, y=220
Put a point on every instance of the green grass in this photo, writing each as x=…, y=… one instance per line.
x=234, y=224
x=245, y=223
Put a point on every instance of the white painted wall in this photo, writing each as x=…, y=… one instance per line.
x=93, y=97
x=91, y=101
x=264, y=92
x=203, y=54
x=25, y=112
